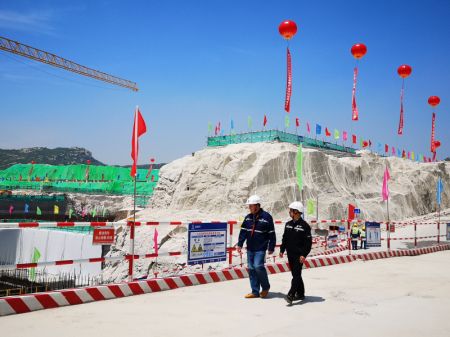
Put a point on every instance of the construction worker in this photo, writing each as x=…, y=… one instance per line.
x=355, y=236
x=363, y=237
x=259, y=232
x=297, y=242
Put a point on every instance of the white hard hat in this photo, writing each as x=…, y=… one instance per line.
x=297, y=205
x=253, y=200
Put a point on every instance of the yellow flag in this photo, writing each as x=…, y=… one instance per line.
x=55, y=209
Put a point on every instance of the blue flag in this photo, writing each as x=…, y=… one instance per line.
x=399, y=153
x=439, y=189
x=318, y=129
x=27, y=207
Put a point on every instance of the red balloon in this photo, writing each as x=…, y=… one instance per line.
x=359, y=50
x=88, y=161
x=434, y=101
x=152, y=160
x=32, y=162
x=404, y=70
x=287, y=29
x=437, y=144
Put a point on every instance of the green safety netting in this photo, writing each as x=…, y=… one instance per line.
x=72, y=178
x=275, y=135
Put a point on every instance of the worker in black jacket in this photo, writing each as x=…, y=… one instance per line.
x=297, y=242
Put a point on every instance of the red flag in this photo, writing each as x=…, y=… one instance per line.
x=265, y=121
x=365, y=144
x=327, y=132
x=393, y=151
x=287, y=102
x=403, y=154
x=351, y=212
x=308, y=128
x=354, y=139
x=297, y=122
x=155, y=241
x=386, y=148
x=354, y=107
x=139, y=128
x=400, y=124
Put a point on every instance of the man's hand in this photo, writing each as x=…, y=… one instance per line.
x=281, y=255
x=239, y=249
x=302, y=259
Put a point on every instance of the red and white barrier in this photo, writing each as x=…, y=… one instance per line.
x=47, y=300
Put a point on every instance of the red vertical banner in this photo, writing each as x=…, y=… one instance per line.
x=433, y=121
x=287, y=102
x=400, y=124
x=354, y=107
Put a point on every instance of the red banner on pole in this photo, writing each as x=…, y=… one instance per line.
x=354, y=107
x=287, y=103
x=400, y=125
x=433, y=119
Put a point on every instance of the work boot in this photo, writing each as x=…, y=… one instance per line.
x=264, y=293
x=251, y=295
x=289, y=298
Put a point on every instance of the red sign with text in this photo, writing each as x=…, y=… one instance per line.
x=103, y=236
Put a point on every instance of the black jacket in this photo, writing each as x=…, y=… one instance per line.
x=259, y=232
x=297, y=238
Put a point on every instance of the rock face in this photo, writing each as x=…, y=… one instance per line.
x=215, y=182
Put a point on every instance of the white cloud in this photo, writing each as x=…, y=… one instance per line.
x=37, y=22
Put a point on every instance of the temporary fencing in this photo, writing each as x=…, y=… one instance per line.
x=27, y=303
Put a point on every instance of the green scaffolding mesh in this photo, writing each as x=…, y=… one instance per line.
x=72, y=178
x=276, y=135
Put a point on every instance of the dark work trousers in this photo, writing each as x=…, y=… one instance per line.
x=297, y=286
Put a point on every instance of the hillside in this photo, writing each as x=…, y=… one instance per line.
x=43, y=155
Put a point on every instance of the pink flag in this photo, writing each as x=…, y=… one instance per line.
x=11, y=209
x=385, y=189
x=345, y=135
x=354, y=107
x=83, y=212
x=155, y=241
x=308, y=128
x=139, y=128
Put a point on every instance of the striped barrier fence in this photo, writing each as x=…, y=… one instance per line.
x=48, y=300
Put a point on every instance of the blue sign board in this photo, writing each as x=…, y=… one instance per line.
x=207, y=242
x=357, y=211
x=448, y=232
x=373, y=234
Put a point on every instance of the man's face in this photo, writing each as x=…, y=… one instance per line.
x=254, y=208
x=294, y=214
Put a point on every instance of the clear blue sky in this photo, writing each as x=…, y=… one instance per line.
x=201, y=61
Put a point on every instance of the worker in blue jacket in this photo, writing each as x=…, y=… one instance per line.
x=259, y=232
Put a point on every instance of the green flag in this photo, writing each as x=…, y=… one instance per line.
x=336, y=134
x=287, y=122
x=361, y=143
x=104, y=212
x=70, y=213
x=300, y=167
x=94, y=212
x=35, y=258
x=310, y=207
x=249, y=122
x=209, y=127
x=38, y=211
